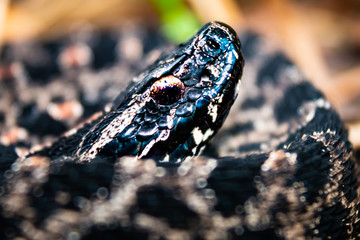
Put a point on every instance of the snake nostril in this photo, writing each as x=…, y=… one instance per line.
x=167, y=90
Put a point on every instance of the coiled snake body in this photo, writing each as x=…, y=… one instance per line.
x=130, y=174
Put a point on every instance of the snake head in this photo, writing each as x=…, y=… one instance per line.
x=176, y=105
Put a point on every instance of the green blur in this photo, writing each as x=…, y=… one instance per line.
x=178, y=22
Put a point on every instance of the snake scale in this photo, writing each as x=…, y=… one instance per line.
x=281, y=167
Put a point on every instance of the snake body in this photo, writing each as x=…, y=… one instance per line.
x=289, y=173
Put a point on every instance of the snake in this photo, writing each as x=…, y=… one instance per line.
x=167, y=159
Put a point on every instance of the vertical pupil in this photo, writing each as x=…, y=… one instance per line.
x=213, y=44
x=167, y=90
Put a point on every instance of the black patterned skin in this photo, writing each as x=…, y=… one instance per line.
x=208, y=67
x=281, y=168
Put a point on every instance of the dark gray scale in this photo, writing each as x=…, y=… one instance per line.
x=190, y=82
x=151, y=118
x=146, y=131
x=186, y=70
x=185, y=109
x=152, y=105
x=130, y=131
x=163, y=123
x=141, y=110
x=164, y=108
x=139, y=118
x=204, y=84
x=194, y=94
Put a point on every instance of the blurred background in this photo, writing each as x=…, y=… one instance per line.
x=322, y=37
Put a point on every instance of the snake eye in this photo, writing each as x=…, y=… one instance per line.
x=167, y=90
x=213, y=44
x=211, y=47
